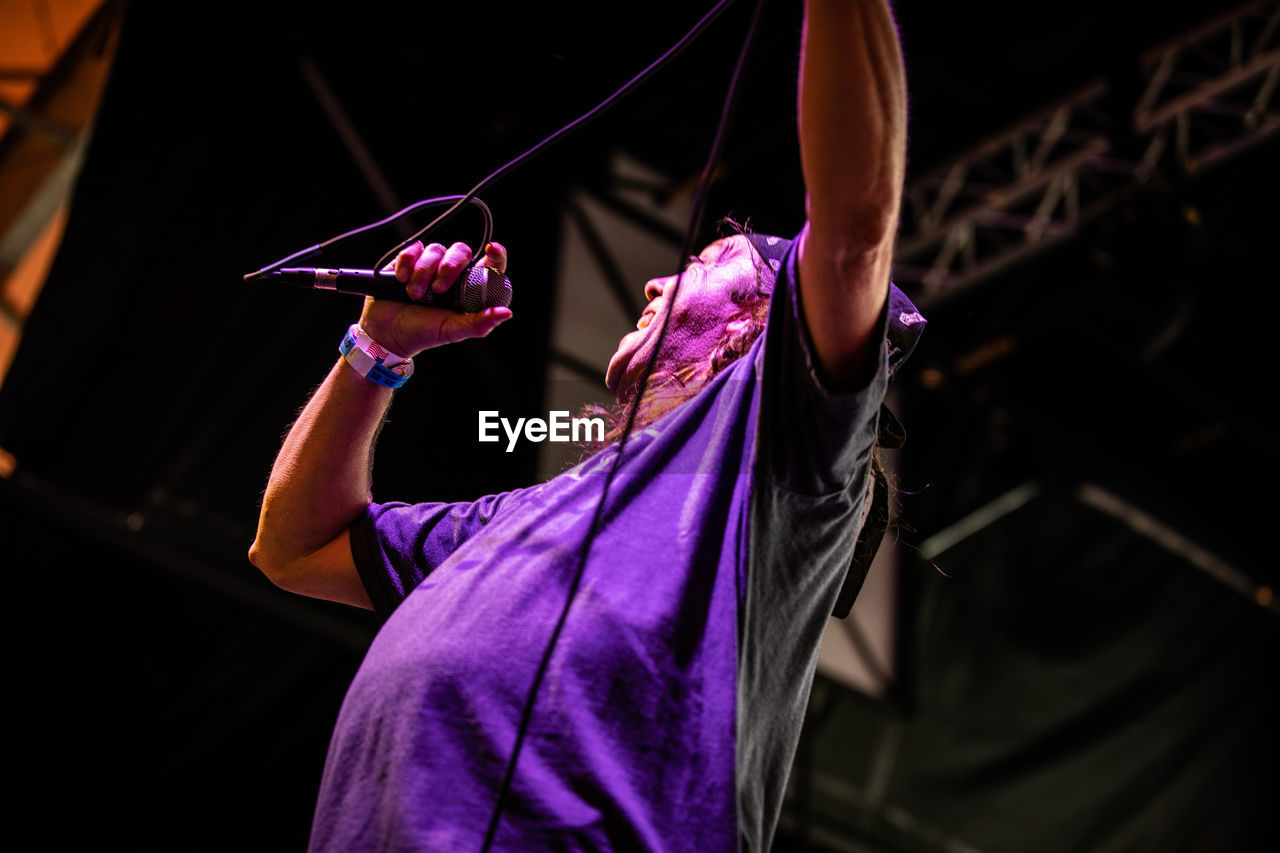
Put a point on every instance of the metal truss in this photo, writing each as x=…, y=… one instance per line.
x=1206, y=96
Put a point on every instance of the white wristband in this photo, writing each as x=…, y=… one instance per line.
x=373, y=361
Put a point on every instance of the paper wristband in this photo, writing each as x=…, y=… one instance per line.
x=372, y=361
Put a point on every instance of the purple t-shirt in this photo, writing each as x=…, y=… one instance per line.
x=670, y=711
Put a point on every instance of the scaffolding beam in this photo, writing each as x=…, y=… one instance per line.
x=1206, y=96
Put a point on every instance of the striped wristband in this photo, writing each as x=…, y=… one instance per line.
x=372, y=361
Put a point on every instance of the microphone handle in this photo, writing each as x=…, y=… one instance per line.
x=380, y=284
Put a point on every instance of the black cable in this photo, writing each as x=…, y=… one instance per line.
x=429, y=202
x=695, y=217
x=690, y=232
x=578, y=123
x=470, y=197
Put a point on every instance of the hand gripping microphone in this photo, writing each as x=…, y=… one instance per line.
x=476, y=288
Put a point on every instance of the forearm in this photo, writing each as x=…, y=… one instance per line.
x=320, y=481
x=852, y=125
x=853, y=118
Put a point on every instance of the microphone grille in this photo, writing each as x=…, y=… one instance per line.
x=485, y=288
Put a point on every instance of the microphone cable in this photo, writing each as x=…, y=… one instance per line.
x=458, y=201
x=690, y=232
x=695, y=217
x=470, y=196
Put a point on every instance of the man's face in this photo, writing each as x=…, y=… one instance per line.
x=698, y=319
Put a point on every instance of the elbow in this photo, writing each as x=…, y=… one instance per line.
x=274, y=568
x=856, y=227
x=256, y=557
x=857, y=258
x=851, y=252
x=877, y=226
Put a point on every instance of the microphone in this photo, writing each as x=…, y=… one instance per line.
x=476, y=288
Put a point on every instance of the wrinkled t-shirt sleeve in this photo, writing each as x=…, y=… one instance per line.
x=396, y=545
x=813, y=441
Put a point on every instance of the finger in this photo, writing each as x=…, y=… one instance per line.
x=495, y=257
x=480, y=324
x=403, y=264
x=424, y=270
x=453, y=262
x=491, y=318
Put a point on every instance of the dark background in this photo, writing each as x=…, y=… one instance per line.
x=1064, y=684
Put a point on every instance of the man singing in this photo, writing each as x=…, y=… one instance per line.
x=671, y=703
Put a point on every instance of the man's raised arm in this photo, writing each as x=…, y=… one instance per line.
x=321, y=479
x=853, y=133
